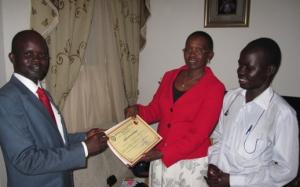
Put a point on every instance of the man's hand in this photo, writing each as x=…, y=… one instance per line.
x=131, y=111
x=96, y=142
x=216, y=177
x=93, y=131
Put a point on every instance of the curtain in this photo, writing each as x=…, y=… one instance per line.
x=129, y=17
x=100, y=94
x=66, y=25
x=107, y=65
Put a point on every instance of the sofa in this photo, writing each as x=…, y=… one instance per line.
x=295, y=103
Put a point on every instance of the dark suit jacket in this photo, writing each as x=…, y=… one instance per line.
x=33, y=150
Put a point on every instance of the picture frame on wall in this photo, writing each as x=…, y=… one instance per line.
x=226, y=13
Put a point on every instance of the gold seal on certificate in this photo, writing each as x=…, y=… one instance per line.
x=131, y=138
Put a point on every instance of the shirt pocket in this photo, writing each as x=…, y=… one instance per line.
x=252, y=146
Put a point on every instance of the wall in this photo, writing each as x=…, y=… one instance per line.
x=2, y=81
x=2, y=67
x=173, y=20
x=15, y=16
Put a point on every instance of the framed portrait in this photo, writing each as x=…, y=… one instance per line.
x=226, y=13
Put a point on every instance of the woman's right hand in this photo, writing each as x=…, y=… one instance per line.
x=131, y=111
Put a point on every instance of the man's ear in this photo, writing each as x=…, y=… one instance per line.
x=12, y=57
x=272, y=70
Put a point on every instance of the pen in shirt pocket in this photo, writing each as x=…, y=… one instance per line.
x=247, y=132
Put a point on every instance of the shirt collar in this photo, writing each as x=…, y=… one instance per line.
x=28, y=83
x=264, y=99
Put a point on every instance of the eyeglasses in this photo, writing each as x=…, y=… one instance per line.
x=197, y=51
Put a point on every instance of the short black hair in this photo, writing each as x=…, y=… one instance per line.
x=204, y=35
x=270, y=48
x=21, y=36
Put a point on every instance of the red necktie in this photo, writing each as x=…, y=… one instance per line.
x=45, y=100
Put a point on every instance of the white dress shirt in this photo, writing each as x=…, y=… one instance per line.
x=33, y=88
x=256, y=142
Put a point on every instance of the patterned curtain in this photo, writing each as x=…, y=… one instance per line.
x=106, y=81
x=65, y=25
x=129, y=17
x=99, y=95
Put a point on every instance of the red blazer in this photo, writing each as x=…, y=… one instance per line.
x=186, y=124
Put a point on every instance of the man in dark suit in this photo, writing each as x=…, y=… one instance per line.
x=37, y=149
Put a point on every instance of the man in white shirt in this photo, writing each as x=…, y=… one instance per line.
x=37, y=149
x=256, y=140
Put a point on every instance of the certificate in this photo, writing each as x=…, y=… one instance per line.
x=131, y=138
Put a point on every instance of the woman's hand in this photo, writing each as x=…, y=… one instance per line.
x=151, y=155
x=131, y=111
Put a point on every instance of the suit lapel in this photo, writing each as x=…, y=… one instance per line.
x=36, y=110
x=61, y=117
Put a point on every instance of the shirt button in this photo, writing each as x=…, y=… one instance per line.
x=171, y=109
x=169, y=125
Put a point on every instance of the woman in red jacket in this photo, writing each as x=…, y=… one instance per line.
x=187, y=106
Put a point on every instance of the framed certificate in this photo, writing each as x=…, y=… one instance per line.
x=131, y=138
